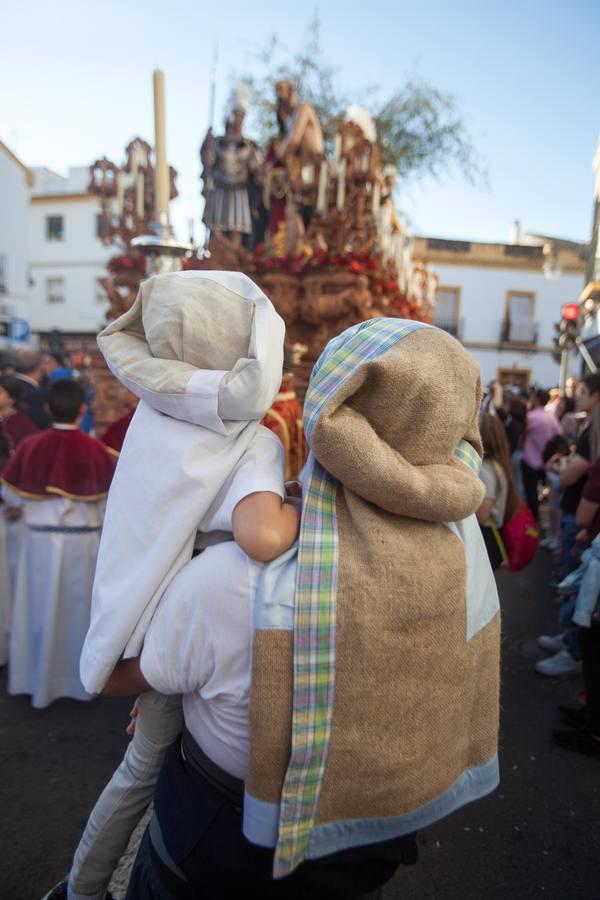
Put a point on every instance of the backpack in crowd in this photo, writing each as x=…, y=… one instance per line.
x=518, y=539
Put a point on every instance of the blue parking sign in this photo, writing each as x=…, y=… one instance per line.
x=19, y=330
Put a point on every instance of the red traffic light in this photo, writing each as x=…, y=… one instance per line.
x=570, y=312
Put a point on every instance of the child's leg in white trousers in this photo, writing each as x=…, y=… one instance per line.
x=126, y=797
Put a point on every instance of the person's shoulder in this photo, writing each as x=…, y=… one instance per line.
x=594, y=474
x=39, y=437
x=262, y=463
x=488, y=473
x=24, y=422
x=266, y=445
x=91, y=441
x=264, y=436
x=90, y=448
x=582, y=445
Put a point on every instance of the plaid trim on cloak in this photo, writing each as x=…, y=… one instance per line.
x=316, y=589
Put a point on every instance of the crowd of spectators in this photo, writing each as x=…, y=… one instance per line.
x=542, y=447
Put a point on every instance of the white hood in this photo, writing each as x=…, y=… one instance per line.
x=204, y=347
x=204, y=353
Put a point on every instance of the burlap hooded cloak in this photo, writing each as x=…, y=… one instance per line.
x=374, y=707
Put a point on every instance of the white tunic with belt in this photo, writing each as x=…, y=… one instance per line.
x=51, y=611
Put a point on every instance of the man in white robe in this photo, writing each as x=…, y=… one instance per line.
x=59, y=478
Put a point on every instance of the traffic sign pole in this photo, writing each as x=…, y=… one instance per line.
x=564, y=370
x=586, y=355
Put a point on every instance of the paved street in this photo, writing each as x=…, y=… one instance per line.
x=537, y=836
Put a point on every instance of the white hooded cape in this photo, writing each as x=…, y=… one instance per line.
x=204, y=353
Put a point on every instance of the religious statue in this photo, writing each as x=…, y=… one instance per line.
x=349, y=191
x=392, y=240
x=293, y=166
x=336, y=251
x=231, y=163
x=356, y=146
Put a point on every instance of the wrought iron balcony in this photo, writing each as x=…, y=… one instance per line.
x=516, y=332
x=452, y=326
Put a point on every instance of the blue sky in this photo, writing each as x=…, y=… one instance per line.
x=77, y=84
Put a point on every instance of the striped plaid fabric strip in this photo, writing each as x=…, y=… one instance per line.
x=344, y=354
x=468, y=455
x=315, y=600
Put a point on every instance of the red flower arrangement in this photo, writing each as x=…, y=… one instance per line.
x=127, y=263
x=383, y=278
x=192, y=262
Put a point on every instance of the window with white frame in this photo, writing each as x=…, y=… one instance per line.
x=55, y=228
x=446, y=308
x=520, y=317
x=55, y=290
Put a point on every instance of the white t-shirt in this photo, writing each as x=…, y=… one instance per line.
x=496, y=489
x=199, y=642
x=261, y=468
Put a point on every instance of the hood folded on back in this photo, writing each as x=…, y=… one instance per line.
x=203, y=347
x=390, y=433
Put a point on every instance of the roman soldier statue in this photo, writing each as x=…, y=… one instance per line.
x=230, y=163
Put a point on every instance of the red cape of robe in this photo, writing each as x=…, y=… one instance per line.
x=57, y=462
x=17, y=427
x=114, y=435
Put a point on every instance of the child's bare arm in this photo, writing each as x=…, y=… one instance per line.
x=264, y=525
x=126, y=679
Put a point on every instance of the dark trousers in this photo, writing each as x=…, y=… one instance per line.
x=589, y=642
x=531, y=480
x=491, y=545
x=151, y=881
x=202, y=831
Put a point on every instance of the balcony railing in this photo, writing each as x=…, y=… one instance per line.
x=515, y=332
x=452, y=326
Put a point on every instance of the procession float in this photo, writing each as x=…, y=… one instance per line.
x=314, y=225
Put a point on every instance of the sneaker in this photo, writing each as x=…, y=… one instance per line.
x=553, y=642
x=549, y=543
x=562, y=663
x=578, y=739
x=58, y=892
x=575, y=716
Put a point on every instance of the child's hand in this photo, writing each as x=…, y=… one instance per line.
x=135, y=711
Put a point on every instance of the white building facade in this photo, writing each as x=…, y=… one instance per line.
x=16, y=182
x=502, y=301
x=66, y=255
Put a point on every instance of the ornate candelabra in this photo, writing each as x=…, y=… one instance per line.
x=134, y=209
